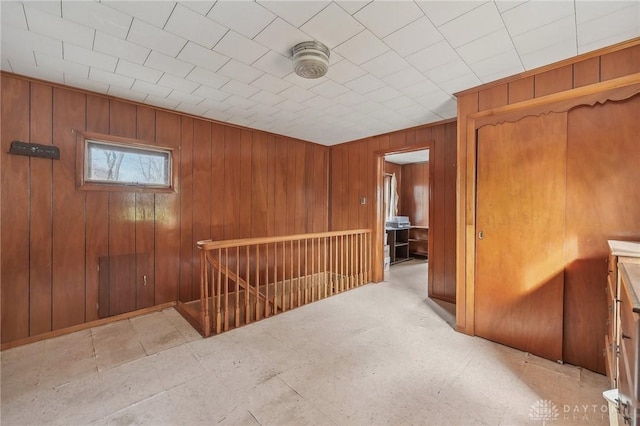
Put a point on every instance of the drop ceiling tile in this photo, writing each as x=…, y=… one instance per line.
x=161, y=62
x=154, y=38
x=462, y=83
x=111, y=79
x=297, y=94
x=19, y=59
x=50, y=7
x=118, y=48
x=362, y=48
x=151, y=89
x=305, y=83
x=239, y=102
x=122, y=93
x=138, y=72
x=472, y=25
x=266, y=98
x=155, y=13
x=274, y=63
x=292, y=106
x=486, y=46
x=85, y=83
x=281, y=36
x=504, y=5
x=98, y=16
x=245, y=17
x=212, y=104
x=217, y=115
x=448, y=71
x=329, y=89
x=161, y=102
x=419, y=114
x=365, y=84
x=545, y=36
x=239, y=47
x=12, y=14
x=588, y=10
x=400, y=102
x=562, y=49
x=90, y=58
x=270, y=84
x=211, y=93
x=414, y=37
x=52, y=26
x=344, y=71
x=192, y=26
x=622, y=21
x=202, y=57
x=237, y=88
x=60, y=65
x=5, y=65
x=352, y=6
x=241, y=121
x=177, y=83
x=448, y=109
x=420, y=89
x=386, y=64
x=184, y=97
x=19, y=41
x=332, y=26
x=338, y=110
x=505, y=71
x=534, y=14
x=440, y=12
x=383, y=94
x=239, y=71
x=350, y=98
x=320, y=102
x=296, y=13
x=206, y=77
x=434, y=100
x=200, y=6
x=383, y=18
x=608, y=41
x=263, y=112
x=433, y=56
x=24, y=68
x=404, y=78
x=196, y=110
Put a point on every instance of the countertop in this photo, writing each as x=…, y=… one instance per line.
x=624, y=248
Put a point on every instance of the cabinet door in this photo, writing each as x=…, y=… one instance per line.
x=520, y=234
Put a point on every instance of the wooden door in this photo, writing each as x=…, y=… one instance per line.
x=520, y=234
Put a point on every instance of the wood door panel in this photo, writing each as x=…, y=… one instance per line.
x=603, y=201
x=520, y=211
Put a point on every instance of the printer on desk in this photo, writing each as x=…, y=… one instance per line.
x=398, y=222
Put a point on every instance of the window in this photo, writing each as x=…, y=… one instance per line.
x=112, y=163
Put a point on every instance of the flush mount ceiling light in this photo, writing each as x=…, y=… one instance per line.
x=310, y=59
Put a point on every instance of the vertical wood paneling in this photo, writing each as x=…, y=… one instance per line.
x=449, y=213
x=586, y=72
x=493, y=97
x=167, y=219
x=553, y=81
x=398, y=140
x=216, y=179
x=122, y=223
x=620, y=63
x=271, y=179
x=281, y=189
x=259, y=185
x=145, y=220
x=41, y=207
x=337, y=182
x=68, y=291
x=437, y=229
x=245, y=194
x=232, y=147
x=188, y=288
x=15, y=211
x=97, y=207
x=519, y=90
x=297, y=162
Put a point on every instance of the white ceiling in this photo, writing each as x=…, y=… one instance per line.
x=421, y=156
x=394, y=64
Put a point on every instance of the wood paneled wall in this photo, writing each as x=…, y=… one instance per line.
x=414, y=193
x=525, y=91
x=353, y=176
x=233, y=183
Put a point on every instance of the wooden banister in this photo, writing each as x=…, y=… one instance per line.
x=245, y=280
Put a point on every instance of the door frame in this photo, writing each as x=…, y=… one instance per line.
x=378, y=230
x=611, y=90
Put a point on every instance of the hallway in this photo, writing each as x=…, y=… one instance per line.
x=378, y=354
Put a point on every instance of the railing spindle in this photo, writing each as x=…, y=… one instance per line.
x=284, y=279
x=266, y=286
x=299, y=280
x=257, y=300
x=291, y=275
x=247, y=309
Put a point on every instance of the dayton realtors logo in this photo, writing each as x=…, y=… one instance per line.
x=544, y=411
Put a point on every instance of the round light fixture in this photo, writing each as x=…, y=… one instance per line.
x=310, y=59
